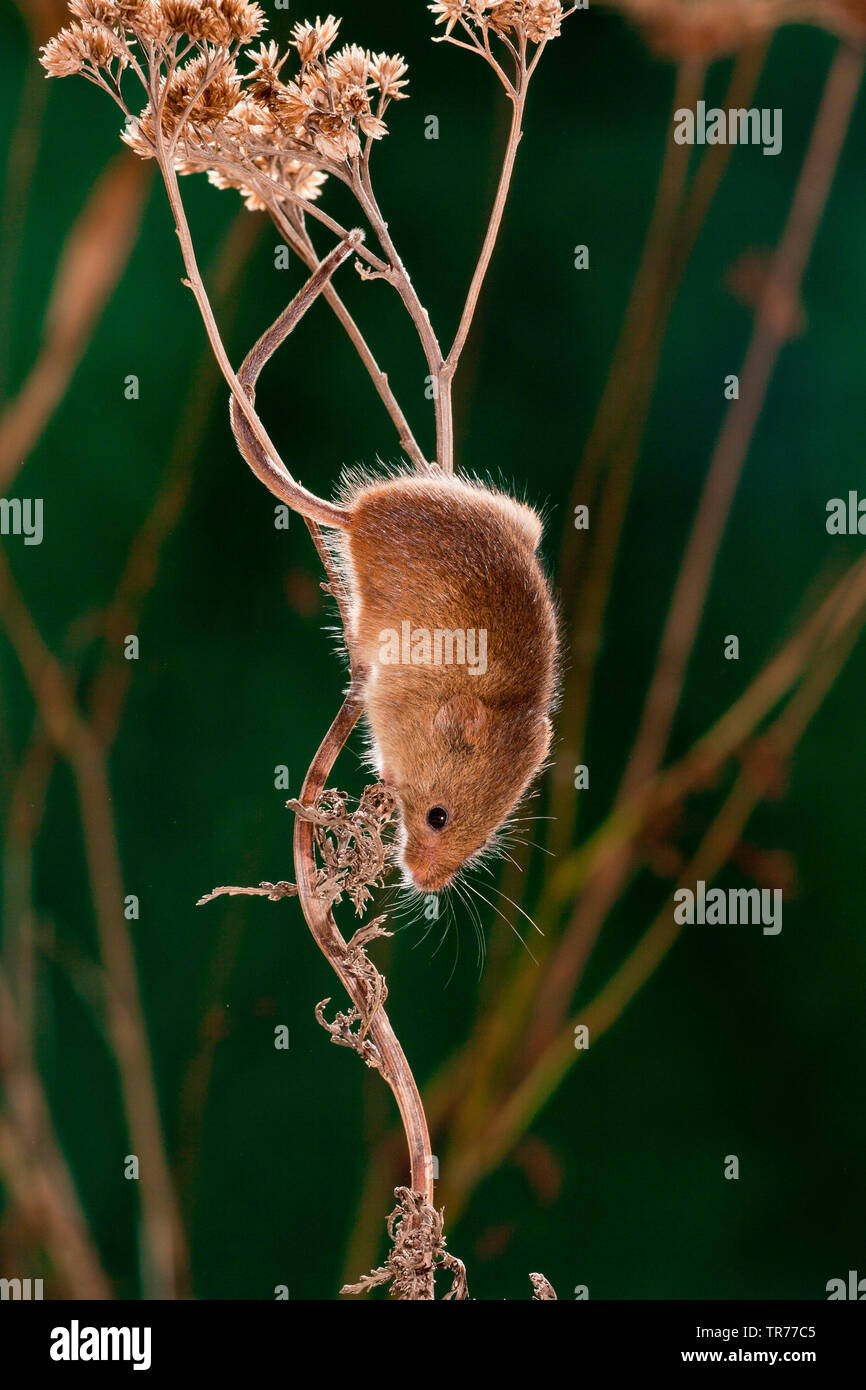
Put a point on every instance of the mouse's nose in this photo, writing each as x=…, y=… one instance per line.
x=426, y=872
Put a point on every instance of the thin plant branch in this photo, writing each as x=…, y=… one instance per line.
x=391, y=1058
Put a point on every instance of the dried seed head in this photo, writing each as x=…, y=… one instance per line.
x=388, y=74
x=246, y=21
x=220, y=95
x=181, y=16
x=64, y=54
x=312, y=40
x=262, y=132
x=95, y=11
x=79, y=47
x=350, y=67
x=450, y=12
x=535, y=20
x=539, y=20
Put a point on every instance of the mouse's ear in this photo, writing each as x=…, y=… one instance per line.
x=462, y=719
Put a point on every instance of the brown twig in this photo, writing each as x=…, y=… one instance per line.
x=299, y=240
x=392, y=1061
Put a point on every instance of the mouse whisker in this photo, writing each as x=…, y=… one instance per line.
x=532, y=844
x=473, y=888
x=456, y=951
x=529, y=919
x=475, y=918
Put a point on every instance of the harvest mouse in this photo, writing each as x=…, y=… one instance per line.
x=452, y=619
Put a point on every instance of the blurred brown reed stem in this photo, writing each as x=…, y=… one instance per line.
x=111, y=681
x=774, y=321
x=20, y=166
x=94, y=256
x=503, y=1128
x=612, y=451
x=771, y=330
x=34, y=1168
x=163, y=1246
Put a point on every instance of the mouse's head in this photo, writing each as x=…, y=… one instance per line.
x=456, y=780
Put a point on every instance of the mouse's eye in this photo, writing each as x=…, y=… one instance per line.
x=437, y=818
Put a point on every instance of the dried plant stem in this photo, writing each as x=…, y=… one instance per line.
x=264, y=348
x=272, y=471
x=113, y=677
x=23, y=153
x=499, y=1132
x=25, y=809
x=299, y=240
x=393, y=1065
x=707, y=756
x=470, y=1083
x=94, y=257
x=398, y=276
x=41, y=1188
x=449, y=366
x=33, y=1165
x=748, y=66
x=620, y=422
x=51, y=1199
x=163, y=1254
x=771, y=330
x=610, y=458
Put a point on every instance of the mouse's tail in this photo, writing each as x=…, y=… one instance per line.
x=252, y=440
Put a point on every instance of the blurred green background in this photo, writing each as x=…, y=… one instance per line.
x=741, y=1043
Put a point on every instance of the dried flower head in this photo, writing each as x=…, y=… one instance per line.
x=539, y=20
x=534, y=20
x=388, y=74
x=82, y=48
x=273, y=131
x=312, y=40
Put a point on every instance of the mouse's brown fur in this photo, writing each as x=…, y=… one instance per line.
x=446, y=554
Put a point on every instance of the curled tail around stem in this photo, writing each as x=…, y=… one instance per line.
x=252, y=440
